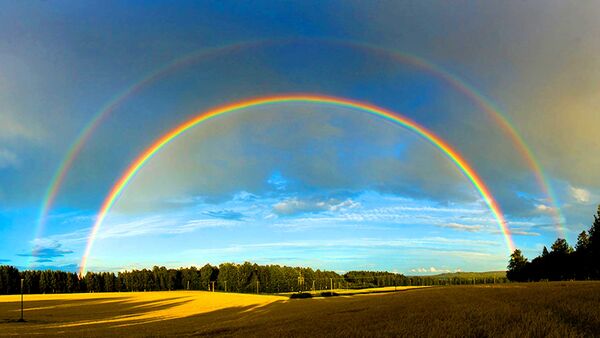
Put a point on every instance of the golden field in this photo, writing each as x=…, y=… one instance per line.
x=560, y=309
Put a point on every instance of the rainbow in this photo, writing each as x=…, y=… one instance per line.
x=82, y=138
x=485, y=105
x=139, y=162
x=455, y=82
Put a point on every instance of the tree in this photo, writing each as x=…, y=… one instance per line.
x=190, y=277
x=10, y=281
x=246, y=277
x=110, y=281
x=208, y=274
x=594, y=247
x=581, y=256
x=45, y=282
x=516, y=266
x=72, y=283
x=174, y=279
x=595, y=229
x=562, y=262
x=228, y=277
x=31, y=281
x=561, y=247
x=583, y=242
x=559, y=263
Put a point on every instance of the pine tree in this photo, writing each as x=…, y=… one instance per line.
x=594, y=246
x=583, y=242
x=596, y=225
x=516, y=266
x=561, y=247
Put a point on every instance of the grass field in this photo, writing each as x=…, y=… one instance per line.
x=560, y=309
x=347, y=292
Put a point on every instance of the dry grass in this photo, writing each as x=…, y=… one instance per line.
x=377, y=290
x=520, y=310
x=383, y=289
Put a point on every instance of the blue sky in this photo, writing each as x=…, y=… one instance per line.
x=296, y=184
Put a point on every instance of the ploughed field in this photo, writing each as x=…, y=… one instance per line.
x=560, y=309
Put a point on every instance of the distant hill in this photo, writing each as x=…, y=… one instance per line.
x=466, y=275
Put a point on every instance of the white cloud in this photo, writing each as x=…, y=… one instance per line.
x=524, y=233
x=362, y=214
x=580, y=195
x=520, y=232
x=427, y=243
x=429, y=270
x=462, y=227
x=544, y=208
x=151, y=225
x=244, y=196
x=159, y=225
x=293, y=206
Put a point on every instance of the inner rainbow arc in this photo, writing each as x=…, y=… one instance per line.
x=435, y=140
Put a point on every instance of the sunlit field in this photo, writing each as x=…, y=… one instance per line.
x=560, y=309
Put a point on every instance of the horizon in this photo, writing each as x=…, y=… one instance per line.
x=424, y=272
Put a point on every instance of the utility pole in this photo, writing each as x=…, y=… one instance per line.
x=188, y=285
x=300, y=283
x=313, y=288
x=21, y=319
x=331, y=282
x=257, y=286
x=225, y=286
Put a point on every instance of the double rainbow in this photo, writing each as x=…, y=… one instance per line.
x=459, y=85
x=429, y=136
x=86, y=133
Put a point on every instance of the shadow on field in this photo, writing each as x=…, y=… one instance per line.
x=228, y=321
x=91, y=313
x=535, y=309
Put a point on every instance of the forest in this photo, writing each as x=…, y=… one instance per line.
x=227, y=277
x=562, y=262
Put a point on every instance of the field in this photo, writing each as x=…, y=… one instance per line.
x=347, y=292
x=565, y=309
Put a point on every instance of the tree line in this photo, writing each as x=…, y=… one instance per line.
x=562, y=262
x=227, y=277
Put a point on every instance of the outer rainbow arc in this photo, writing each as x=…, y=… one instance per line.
x=452, y=154
x=486, y=105
x=75, y=148
x=460, y=85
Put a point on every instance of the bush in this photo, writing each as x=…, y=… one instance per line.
x=300, y=295
x=328, y=294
